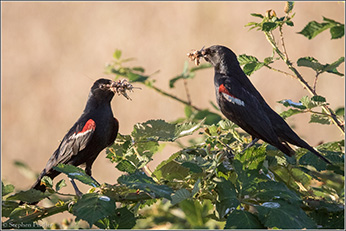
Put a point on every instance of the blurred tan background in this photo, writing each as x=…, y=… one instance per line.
x=53, y=51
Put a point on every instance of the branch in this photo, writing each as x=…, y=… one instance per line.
x=306, y=86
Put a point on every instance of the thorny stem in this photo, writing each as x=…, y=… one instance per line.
x=315, y=81
x=306, y=86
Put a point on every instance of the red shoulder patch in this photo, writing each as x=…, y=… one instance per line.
x=223, y=89
x=89, y=125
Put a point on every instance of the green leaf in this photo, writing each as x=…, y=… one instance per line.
x=180, y=195
x=257, y=15
x=139, y=180
x=93, y=207
x=316, y=118
x=25, y=170
x=160, y=130
x=340, y=111
x=245, y=59
x=188, y=111
x=310, y=62
x=337, y=31
x=196, y=213
x=331, y=68
x=60, y=185
x=227, y=199
x=282, y=215
x=313, y=28
x=139, y=69
x=76, y=173
x=172, y=170
x=193, y=167
x=289, y=23
x=117, y=54
x=133, y=77
x=253, y=157
x=307, y=102
x=318, y=98
x=252, y=67
x=7, y=189
x=210, y=117
x=30, y=196
x=124, y=218
x=8, y=207
x=126, y=166
x=47, y=181
x=288, y=7
x=240, y=219
x=269, y=26
x=290, y=112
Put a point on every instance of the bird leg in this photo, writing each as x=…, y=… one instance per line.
x=253, y=142
x=78, y=192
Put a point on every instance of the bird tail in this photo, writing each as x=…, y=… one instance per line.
x=311, y=149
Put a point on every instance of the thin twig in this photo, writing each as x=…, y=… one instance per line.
x=283, y=43
x=306, y=86
x=315, y=81
x=187, y=92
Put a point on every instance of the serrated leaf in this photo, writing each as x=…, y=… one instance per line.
x=180, y=195
x=30, y=196
x=76, y=173
x=227, y=199
x=269, y=26
x=172, y=170
x=240, y=219
x=117, y=54
x=310, y=62
x=253, y=157
x=318, y=98
x=7, y=189
x=139, y=180
x=306, y=101
x=290, y=112
x=244, y=59
x=313, y=28
x=60, y=185
x=250, y=68
x=315, y=118
x=282, y=215
x=160, y=130
x=8, y=207
x=124, y=218
x=126, y=166
x=93, y=207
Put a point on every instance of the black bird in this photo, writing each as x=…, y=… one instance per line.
x=94, y=130
x=241, y=103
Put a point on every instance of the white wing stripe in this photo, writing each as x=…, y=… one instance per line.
x=75, y=136
x=233, y=99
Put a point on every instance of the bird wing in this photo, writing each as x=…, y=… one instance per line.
x=244, y=109
x=75, y=140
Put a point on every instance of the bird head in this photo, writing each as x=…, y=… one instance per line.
x=102, y=89
x=222, y=58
